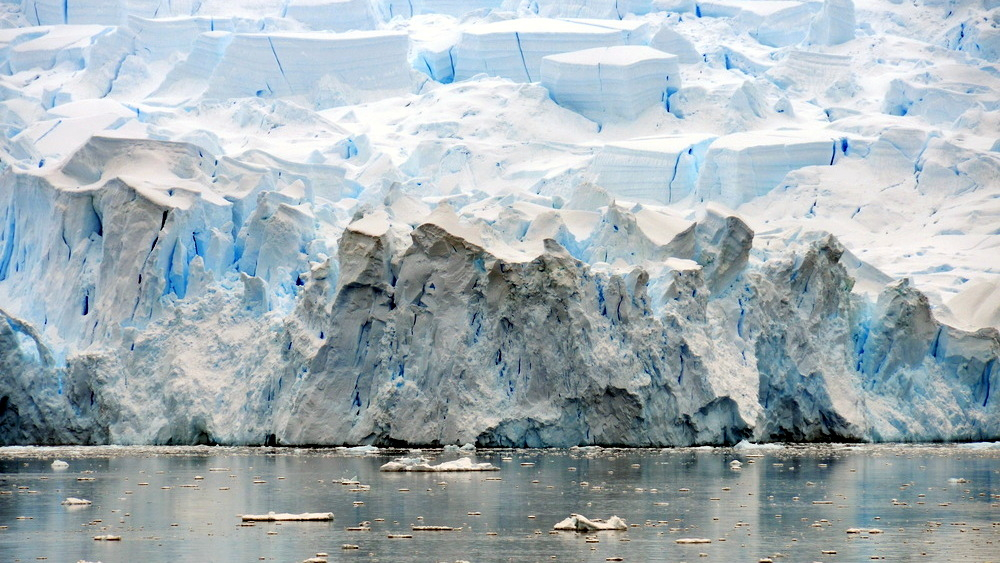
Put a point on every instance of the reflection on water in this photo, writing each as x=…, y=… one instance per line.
x=931, y=503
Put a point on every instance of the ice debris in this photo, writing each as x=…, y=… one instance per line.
x=578, y=523
x=287, y=517
x=419, y=464
x=358, y=450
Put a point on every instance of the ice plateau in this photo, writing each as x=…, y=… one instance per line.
x=499, y=222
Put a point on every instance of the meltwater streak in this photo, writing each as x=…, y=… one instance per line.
x=176, y=504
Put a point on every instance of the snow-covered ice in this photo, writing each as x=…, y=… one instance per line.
x=499, y=223
x=608, y=83
x=515, y=49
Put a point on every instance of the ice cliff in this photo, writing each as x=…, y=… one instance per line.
x=508, y=223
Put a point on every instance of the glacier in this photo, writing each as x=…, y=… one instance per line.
x=501, y=223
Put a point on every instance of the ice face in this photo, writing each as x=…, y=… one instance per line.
x=611, y=83
x=504, y=224
x=514, y=49
x=634, y=169
x=743, y=166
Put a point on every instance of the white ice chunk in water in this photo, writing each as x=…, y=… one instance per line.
x=419, y=464
x=578, y=523
x=288, y=517
x=358, y=450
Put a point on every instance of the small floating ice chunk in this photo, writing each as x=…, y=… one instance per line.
x=358, y=450
x=687, y=541
x=744, y=445
x=59, y=464
x=735, y=465
x=464, y=449
x=578, y=523
x=286, y=517
x=107, y=537
x=981, y=445
x=73, y=501
x=419, y=464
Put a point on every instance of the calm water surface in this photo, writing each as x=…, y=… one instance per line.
x=931, y=503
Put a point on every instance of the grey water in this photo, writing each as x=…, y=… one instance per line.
x=792, y=503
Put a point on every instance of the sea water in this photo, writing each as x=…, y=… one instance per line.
x=789, y=503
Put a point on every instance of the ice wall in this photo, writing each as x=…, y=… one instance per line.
x=674, y=334
x=610, y=83
x=332, y=15
x=834, y=24
x=303, y=65
x=775, y=23
x=743, y=166
x=514, y=49
x=390, y=9
x=660, y=169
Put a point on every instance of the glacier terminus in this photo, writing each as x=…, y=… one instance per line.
x=518, y=223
